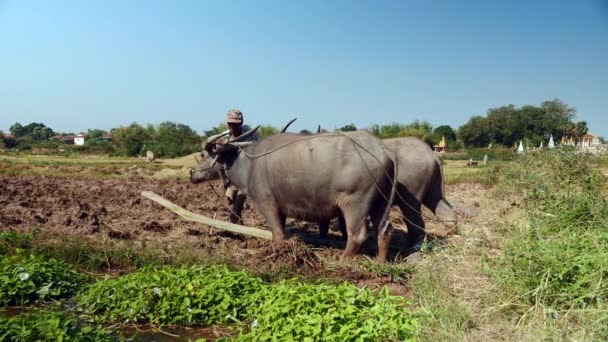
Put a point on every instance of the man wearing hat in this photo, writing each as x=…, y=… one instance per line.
x=234, y=120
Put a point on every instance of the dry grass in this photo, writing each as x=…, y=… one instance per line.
x=456, y=292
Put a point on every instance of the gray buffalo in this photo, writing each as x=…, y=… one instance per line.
x=420, y=182
x=314, y=178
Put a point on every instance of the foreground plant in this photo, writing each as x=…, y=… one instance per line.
x=51, y=326
x=288, y=310
x=170, y=295
x=28, y=278
x=318, y=312
x=557, y=264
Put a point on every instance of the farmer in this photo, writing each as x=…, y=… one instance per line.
x=234, y=120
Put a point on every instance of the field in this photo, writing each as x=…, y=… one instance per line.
x=87, y=212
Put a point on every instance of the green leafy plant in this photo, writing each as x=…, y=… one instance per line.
x=29, y=278
x=51, y=326
x=292, y=311
x=170, y=295
x=286, y=310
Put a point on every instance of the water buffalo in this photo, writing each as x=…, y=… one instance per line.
x=314, y=178
x=420, y=181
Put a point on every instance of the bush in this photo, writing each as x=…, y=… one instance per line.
x=29, y=278
x=50, y=326
x=559, y=260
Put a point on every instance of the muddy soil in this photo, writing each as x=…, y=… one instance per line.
x=113, y=208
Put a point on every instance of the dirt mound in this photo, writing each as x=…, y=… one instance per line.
x=290, y=253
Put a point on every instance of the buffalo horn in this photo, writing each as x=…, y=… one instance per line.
x=245, y=135
x=288, y=124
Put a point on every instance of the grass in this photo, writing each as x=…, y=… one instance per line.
x=80, y=165
x=555, y=267
x=456, y=171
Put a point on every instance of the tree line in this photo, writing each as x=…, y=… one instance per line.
x=505, y=126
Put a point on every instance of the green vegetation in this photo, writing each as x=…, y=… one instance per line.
x=559, y=260
x=299, y=312
x=26, y=278
x=51, y=326
x=507, y=125
x=174, y=295
x=557, y=264
x=286, y=310
x=422, y=130
x=167, y=140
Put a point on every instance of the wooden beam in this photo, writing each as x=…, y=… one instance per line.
x=190, y=216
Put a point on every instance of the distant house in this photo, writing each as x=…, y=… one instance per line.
x=106, y=137
x=66, y=139
x=8, y=136
x=79, y=139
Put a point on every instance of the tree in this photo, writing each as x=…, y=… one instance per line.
x=41, y=133
x=95, y=134
x=348, y=128
x=475, y=132
x=444, y=131
x=17, y=130
x=507, y=125
x=130, y=139
x=222, y=127
x=267, y=130
x=172, y=139
x=305, y=132
x=580, y=129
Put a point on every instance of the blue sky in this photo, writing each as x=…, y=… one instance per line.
x=83, y=64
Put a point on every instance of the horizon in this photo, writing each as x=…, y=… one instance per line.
x=102, y=65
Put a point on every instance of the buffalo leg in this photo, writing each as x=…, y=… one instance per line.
x=275, y=220
x=323, y=229
x=357, y=230
x=384, y=233
x=412, y=213
x=237, y=208
x=342, y=226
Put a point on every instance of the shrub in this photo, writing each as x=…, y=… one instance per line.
x=559, y=259
x=29, y=278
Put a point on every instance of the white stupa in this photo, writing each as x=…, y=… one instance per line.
x=551, y=143
x=520, y=149
x=541, y=145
